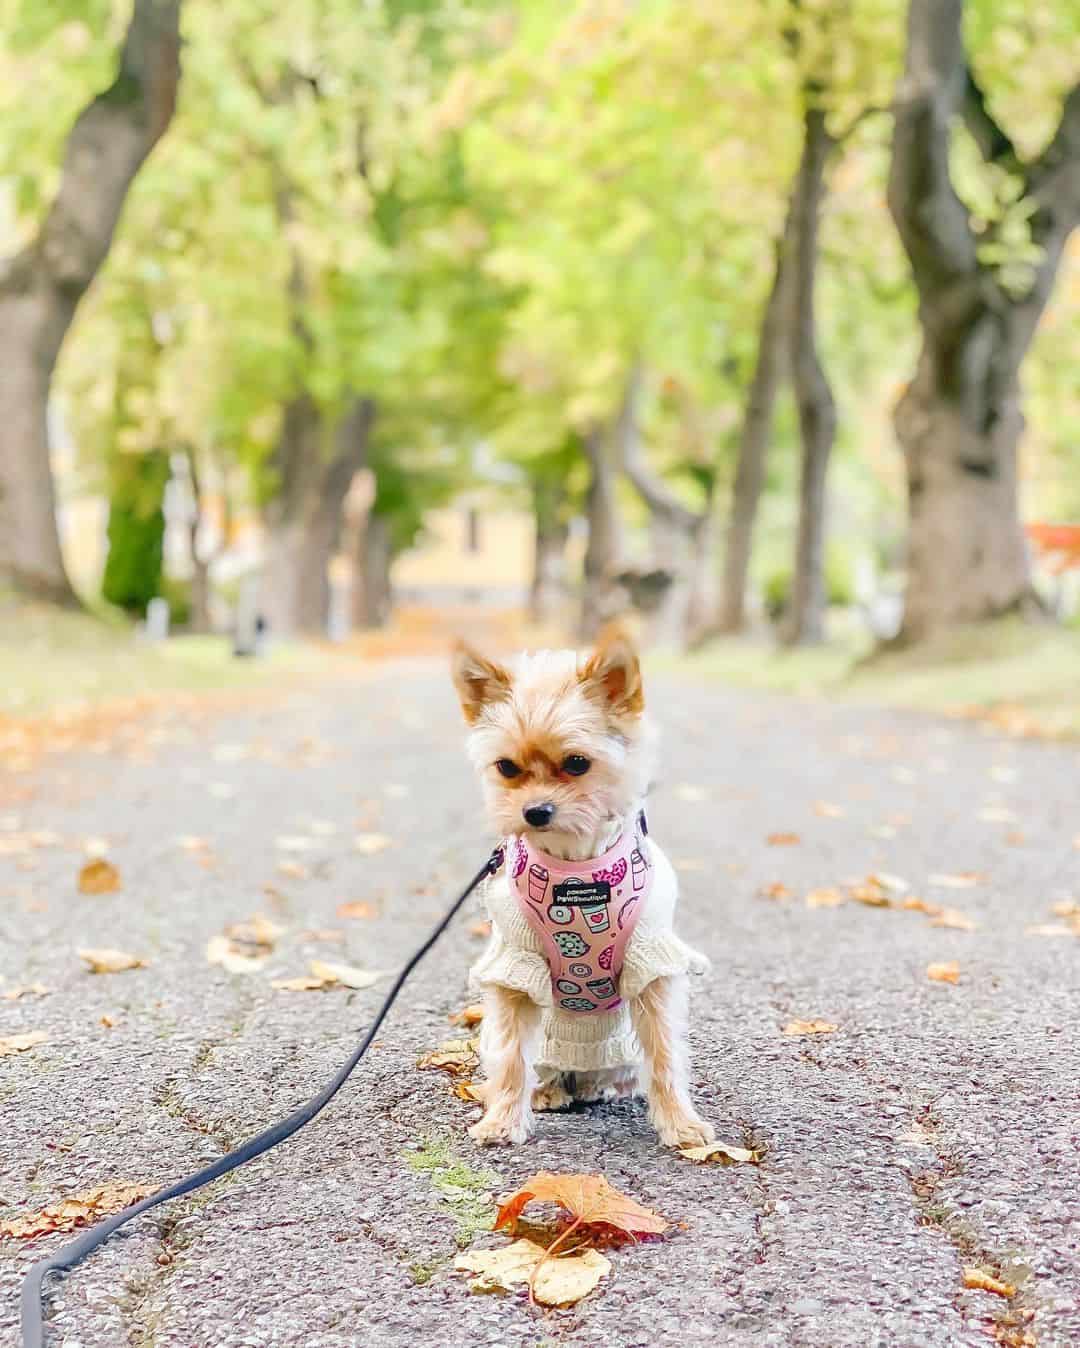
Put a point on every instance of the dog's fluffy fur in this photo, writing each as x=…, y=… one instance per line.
x=535, y=713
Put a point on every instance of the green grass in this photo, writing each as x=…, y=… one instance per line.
x=465, y=1194
x=52, y=659
x=1030, y=671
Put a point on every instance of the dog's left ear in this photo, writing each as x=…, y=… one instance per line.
x=613, y=672
x=477, y=679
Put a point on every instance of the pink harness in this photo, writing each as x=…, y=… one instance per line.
x=585, y=913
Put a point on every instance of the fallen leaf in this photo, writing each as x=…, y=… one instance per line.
x=367, y=844
x=480, y=931
x=188, y=843
x=99, y=876
x=979, y=1280
x=1049, y=929
x=825, y=898
x=361, y=910
x=468, y=1090
x=21, y=1043
x=302, y=983
x=783, y=839
x=720, y=1151
x=295, y=842
x=589, y=1199
x=555, y=1282
x=777, y=890
x=107, y=1021
x=794, y=1027
x=829, y=811
x=345, y=974
x=954, y=919
x=914, y=904
x=1069, y=908
x=468, y=1015
x=944, y=973
x=26, y=990
x=293, y=870
x=963, y=880
x=107, y=961
x=457, y=1057
x=872, y=894
x=244, y=947
x=81, y=1209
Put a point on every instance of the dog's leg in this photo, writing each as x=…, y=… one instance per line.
x=506, y=1048
x=659, y=1016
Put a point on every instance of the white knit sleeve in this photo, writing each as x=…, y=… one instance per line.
x=514, y=956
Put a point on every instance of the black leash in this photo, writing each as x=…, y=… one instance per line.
x=33, y=1324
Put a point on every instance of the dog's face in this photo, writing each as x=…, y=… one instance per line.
x=561, y=745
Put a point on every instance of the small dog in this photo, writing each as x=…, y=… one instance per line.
x=584, y=980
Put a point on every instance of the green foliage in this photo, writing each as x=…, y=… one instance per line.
x=136, y=531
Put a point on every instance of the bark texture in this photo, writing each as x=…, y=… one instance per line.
x=959, y=422
x=805, y=621
x=547, y=592
x=754, y=438
x=41, y=287
x=373, y=595
x=604, y=548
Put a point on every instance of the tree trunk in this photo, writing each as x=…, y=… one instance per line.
x=41, y=287
x=372, y=589
x=754, y=438
x=548, y=589
x=959, y=423
x=603, y=550
x=307, y=529
x=805, y=622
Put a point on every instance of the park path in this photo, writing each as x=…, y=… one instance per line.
x=935, y=1129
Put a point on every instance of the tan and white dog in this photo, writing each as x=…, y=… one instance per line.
x=564, y=751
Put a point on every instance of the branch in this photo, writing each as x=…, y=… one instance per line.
x=652, y=491
x=932, y=220
x=1054, y=179
x=994, y=143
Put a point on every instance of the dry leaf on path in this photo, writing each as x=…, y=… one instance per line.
x=367, y=844
x=914, y=904
x=457, y=1057
x=794, y=1027
x=21, y=1043
x=25, y=990
x=827, y=810
x=954, y=919
x=720, y=1151
x=302, y=983
x=345, y=974
x=783, y=839
x=1049, y=929
x=293, y=870
x=777, y=890
x=361, y=910
x=76, y=1210
x=589, y=1199
x=825, y=898
x=105, y=961
x=468, y=1090
x=99, y=876
x=962, y=880
x=480, y=931
x=979, y=1280
x=944, y=973
x=555, y=1282
x=244, y=947
x=468, y=1015
x=1069, y=908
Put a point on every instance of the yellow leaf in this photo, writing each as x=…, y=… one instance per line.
x=825, y=898
x=99, y=876
x=954, y=919
x=720, y=1151
x=468, y=1015
x=783, y=840
x=829, y=811
x=555, y=1281
x=355, y=910
x=458, y=1057
x=111, y=961
x=916, y=905
x=589, y=1199
x=777, y=890
x=794, y=1027
x=369, y=843
x=21, y=1043
x=345, y=974
x=303, y=983
x=981, y=1281
x=964, y=880
x=944, y=973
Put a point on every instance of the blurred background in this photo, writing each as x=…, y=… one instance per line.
x=332, y=328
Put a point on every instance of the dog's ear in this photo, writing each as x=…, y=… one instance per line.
x=613, y=672
x=478, y=680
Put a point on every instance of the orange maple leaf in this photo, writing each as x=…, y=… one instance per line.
x=589, y=1199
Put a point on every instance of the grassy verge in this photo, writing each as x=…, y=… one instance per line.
x=53, y=660
x=1024, y=677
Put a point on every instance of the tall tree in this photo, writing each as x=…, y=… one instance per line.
x=980, y=299
x=40, y=288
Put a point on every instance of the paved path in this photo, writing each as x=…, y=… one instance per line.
x=936, y=1129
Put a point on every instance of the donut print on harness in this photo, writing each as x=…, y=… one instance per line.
x=570, y=944
x=577, y=1004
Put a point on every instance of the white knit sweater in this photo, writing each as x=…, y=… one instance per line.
x=571, y=1042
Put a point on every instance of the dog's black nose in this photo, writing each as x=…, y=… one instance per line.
x=539, y=816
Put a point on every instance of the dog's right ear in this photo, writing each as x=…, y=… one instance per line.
x=478, y=680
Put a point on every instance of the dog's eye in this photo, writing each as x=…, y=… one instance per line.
x=576, y=765
x=508, y=767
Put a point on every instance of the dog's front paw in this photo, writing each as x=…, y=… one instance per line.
x=684, y=1130
x=498, y=1127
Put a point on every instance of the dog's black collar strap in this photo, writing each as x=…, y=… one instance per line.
x=33, y=1326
